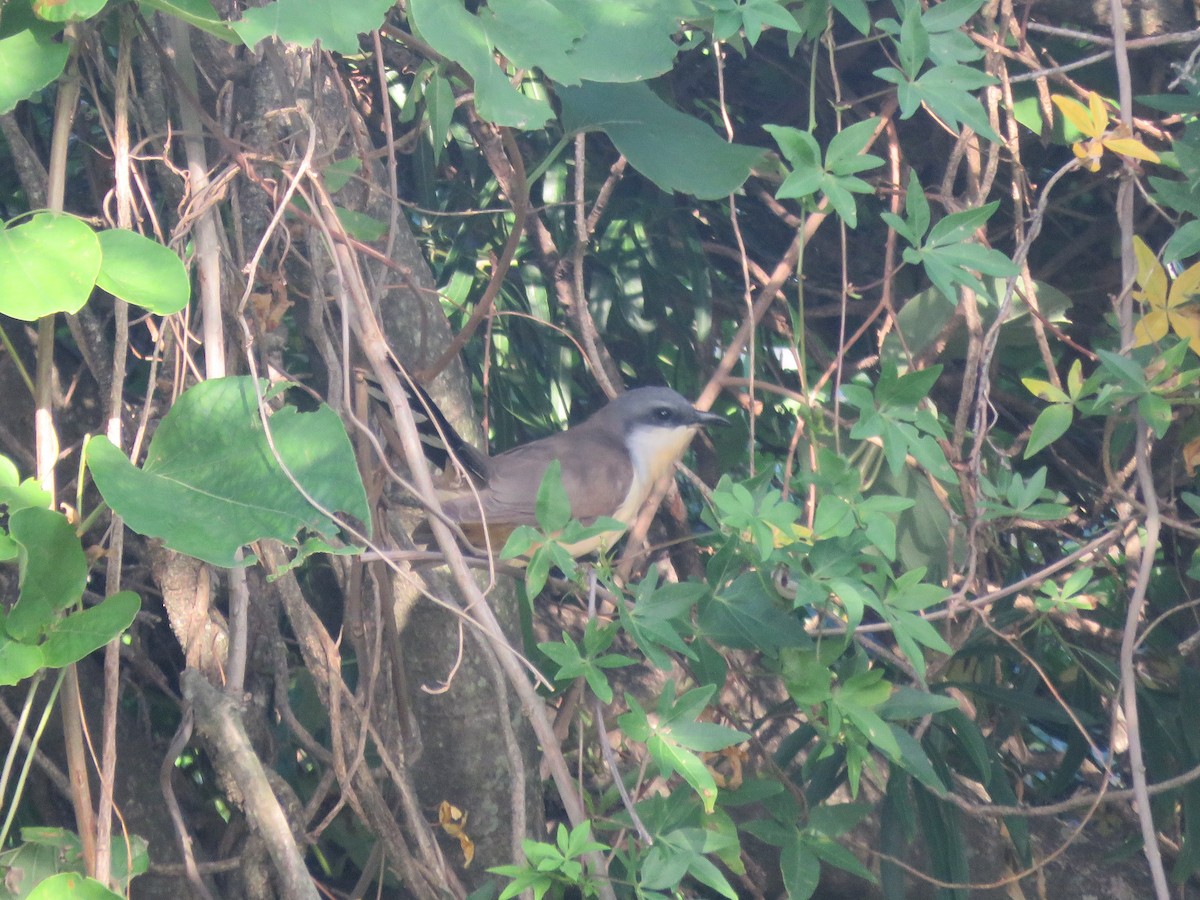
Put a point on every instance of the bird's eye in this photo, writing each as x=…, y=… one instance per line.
x=663, y=414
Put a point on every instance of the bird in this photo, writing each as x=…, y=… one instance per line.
x=609, y=464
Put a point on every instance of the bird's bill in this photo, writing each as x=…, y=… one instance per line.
x=704, y=419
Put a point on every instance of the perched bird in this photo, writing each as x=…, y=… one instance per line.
x=609, y=464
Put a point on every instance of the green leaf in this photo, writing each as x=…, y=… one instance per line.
x=461, y=37
x=833, y=819
x=29, y=60
x=837, y=855
x=672, y=758
x=53, y=570
x=360, y=226
x=950, y=15
x=71, y=886
x=580, y=40
x=916, y=207
x=47, y=265
x=704, y=737
x=855, y=12
x=961, y=226
x=335, y=25
x=77, y=635
x=873, y=728
x=212, y=484
x=553, y=507
x=67, y=10
x=803, y=152
x=907, y=703
x=197, y=13
x=913, y=46
x=143, y=272
x=744, y=615
x=338, y=174
x=18, y=660
x=846, y=155
x=675, y=151
x=1051, y=424
x=17, y=494
x=946, y=89
x=800, y=867
x=913, y=759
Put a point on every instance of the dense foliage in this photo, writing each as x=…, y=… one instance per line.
x=920, y=623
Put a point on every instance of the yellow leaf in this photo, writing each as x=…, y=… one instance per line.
x=1089, y=151
x=1151, y=328
x=452, y=819
x=1098, y=112
x=1075, y=378
x=1078, y=115
x=454, y=822
x=1186, y=287
x=1191, y=455
x=1044, y=390
x=468, y=849
x=1151, y=275
x=1186, y=324
x=1131, y=147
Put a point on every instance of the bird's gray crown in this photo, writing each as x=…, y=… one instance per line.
x=654, y=407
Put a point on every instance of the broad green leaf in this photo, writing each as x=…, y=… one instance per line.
x=960, y=226
x=913, y=46
x=360, y=226
x=1051, y=424
x=855, y=12
x=212, y=484
x=72, y=886
x=53, y=570
x=800, y=867
x=74, y=637
x=916, y=205
x=1184, y=242
x=18, y=661
x=908, y=389
x=950, y=14
x=338, y=174
x=335, y=25
x=914, y=760
x=837, y=855
x=553, y=506
x=874, y=729
x=675, y=151
x=535, y=34
x=672, y=758
x=946, y=89
x=10, y=476
x=808, y=678
x=29, y=60
x=48, y=264
x=579, y=40
x=16, y=494
x=833, y=819
x=143, y=272
x=744, y=615
x=845, y=153
x=67, y=10
x=907, y=703
x=704, y=737
x=198, y=13
x=461, y=37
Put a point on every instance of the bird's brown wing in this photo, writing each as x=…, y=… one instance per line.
x=596, y=474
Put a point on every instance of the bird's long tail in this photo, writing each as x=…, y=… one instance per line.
x=439, y=439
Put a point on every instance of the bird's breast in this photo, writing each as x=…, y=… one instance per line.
x=652, y=451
